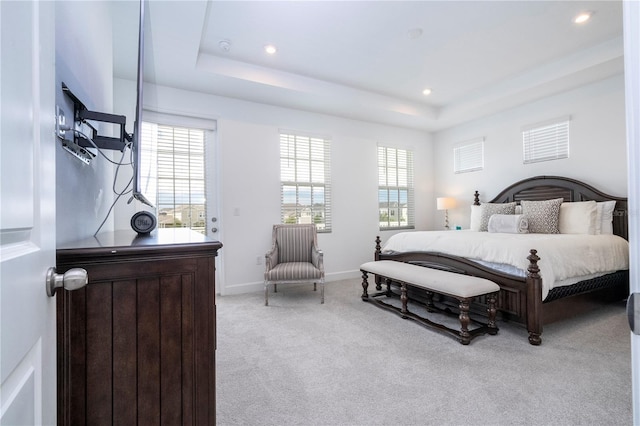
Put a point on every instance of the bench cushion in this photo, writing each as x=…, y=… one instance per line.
x=443, y=282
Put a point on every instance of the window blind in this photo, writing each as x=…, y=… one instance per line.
x=395, y=188
x=305, y=180
x=469, y=157
x=175, y=174
x=546, y=141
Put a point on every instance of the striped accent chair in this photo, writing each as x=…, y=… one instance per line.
x=294, y=258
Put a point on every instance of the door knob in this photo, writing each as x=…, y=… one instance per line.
x=73, y=279
x=633, y=312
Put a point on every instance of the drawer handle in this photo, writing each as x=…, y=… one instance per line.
x=73, y=279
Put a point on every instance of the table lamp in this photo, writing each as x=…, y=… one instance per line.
x=445, y=203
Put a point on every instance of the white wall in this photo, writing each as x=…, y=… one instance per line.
x=597, y=146
x=84, y=62
x=248, y=148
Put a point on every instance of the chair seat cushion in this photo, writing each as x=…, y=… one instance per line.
x=291, y=271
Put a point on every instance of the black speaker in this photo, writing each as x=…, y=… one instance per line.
x=143, y=222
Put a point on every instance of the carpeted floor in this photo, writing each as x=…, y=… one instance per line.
x=297, y=362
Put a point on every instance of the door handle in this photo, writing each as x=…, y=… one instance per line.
x=73, y=279
x=633, y=312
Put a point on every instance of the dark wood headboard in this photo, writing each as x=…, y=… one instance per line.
x=549, y=187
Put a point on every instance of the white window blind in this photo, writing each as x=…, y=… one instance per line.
x=546, y=141
x=175, y=175
x=395, y=188
x=469, y=156
x=305, y=180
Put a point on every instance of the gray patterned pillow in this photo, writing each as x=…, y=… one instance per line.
x=543, y=216
x=489, y=209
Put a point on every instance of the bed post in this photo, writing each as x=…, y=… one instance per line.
x=476, y=198
x=534, y=299
x=376, y=257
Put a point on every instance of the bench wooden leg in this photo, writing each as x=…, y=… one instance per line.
x=465, y=336
x=491, y=313
x=404, y=299
x=430, y=302
x=365, y=285
x=388, y=281
x=378, y=282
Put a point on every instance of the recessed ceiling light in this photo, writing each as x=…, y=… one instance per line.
x=582, y=17
x=270, y=49
x=426, y=92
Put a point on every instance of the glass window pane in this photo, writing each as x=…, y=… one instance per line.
x=304, y=195
x=288, y=194
x=318, y=196
x=304, y=174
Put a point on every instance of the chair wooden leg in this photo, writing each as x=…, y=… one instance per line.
x=314, y=286
x=266, y=294
x=275, y=287
x=321, y=291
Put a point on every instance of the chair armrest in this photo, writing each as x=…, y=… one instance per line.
x=271, y=258
x=317, y=258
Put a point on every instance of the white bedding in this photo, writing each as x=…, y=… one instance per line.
x=564, y=258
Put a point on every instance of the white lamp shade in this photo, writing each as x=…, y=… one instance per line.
x=445, y=203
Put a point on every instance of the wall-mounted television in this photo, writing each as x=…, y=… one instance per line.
x=137, y=123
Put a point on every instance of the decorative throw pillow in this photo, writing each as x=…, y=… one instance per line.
x=476, y=218
x=578, y=218
x=489, y=209
x=508, y=224
x=543, y=216
x=604, y=217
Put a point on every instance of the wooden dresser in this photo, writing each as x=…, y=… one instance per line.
x=137, y=344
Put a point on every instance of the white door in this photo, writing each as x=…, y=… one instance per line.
x=214, y=225
x=27, y=213
x=631, y=10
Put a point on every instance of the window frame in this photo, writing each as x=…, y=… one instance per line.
x=390, y=181
x=307, y=172
x=468, y=156
x=155, y=132
x=546, y=141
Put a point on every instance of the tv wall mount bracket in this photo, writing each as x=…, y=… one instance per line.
x=81, y=115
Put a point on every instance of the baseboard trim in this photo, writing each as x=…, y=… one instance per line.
x=242, y=288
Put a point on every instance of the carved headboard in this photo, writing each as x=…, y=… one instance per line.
x=549, y=187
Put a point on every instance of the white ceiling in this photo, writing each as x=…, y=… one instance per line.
x=355, y=59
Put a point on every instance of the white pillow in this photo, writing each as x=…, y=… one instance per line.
x=578, y=218
x=476, y=218
x=604, y=217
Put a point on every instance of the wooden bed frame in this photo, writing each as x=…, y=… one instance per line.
x=520, y=298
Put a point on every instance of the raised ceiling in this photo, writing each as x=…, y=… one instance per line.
x=361, y=59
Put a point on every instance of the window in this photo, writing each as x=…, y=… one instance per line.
x=305, y=180
x=546, y=141
x=175, y=173
x=395, y=188
x=469, y=156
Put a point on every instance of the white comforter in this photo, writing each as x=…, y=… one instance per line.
x=562, y=256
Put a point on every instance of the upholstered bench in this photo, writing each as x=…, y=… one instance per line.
x=463, y=288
